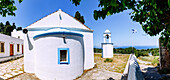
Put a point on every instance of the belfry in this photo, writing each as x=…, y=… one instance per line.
x=107, y=46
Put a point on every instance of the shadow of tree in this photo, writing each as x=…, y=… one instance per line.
x=151, y=73
x=110, y=78
x=1, y=79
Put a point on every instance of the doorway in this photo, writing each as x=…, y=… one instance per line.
x=11, y=49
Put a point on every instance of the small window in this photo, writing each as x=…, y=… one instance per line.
x=63, y=56
x=17, y=47
x=19, y=37
x=2, y=48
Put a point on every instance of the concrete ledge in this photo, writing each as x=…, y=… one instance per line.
x=9, y=58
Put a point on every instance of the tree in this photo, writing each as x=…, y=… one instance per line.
x=19, y=28
x=13, y=25
x=153, y=15
x=7, y=7
x=7, y=23
x=79, y=17
x=1, y=27
x=8, y=28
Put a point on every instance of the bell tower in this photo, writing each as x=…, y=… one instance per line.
x=107, y=45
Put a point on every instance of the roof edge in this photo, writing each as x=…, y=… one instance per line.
x=65, y=13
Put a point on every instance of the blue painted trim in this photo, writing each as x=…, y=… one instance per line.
x=102, y=51
x=54, y=33
x=48, y=28
x=68, y=54
x=107, y=43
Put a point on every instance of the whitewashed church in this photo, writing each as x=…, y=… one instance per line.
x=58, y=47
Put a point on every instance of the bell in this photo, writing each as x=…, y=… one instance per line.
x=107, y=36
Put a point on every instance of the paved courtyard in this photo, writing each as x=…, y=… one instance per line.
x=14, y=70
x=11, y=68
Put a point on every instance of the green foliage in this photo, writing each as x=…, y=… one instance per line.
x=96, y=50
x=125, y=51
x=138, y=53
x=153, y=15
x=155, y=61
x=79, y=17
x=7, y=28
x=19, y=28
x=1, y=27
x=13, y=25
x=108, y=60
x=76, y=2
x=7, y=7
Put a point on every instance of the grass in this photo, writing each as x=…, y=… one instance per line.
x=108, y=60
x=115, y=64
x=153, y=59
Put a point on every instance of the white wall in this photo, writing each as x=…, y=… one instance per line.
x=107, y=51
x=88, y=50
x=29, y=61
x=89, y=53
x=17, y=34
x=10, y=40
x=46, y=58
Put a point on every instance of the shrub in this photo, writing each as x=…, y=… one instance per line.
x=155, y=61
x=108, y=60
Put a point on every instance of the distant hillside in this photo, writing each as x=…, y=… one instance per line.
x=141, y=51
x=137, y=47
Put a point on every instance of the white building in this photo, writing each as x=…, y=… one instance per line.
x=107, y=46
x=10, y=46
x=58, y=47
x=18, y=34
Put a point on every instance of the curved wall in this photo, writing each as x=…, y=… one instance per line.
x=46, y=57
x=29, y=53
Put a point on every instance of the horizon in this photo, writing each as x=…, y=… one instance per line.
x=119, y=24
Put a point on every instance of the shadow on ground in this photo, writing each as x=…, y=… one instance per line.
x=110, y=78
x=1, y=79
x=151, y=73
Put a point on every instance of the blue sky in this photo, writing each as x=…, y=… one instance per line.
x=120, y=24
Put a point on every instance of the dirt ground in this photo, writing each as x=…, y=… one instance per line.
x=106, y=70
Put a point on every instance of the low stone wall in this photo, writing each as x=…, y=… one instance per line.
x=132, y=70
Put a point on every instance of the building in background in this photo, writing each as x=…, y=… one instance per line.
x=17, y=34
x=107, y=46
x=10, y=46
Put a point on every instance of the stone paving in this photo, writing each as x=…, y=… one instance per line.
x=143, y=62
x=100, y=72
x=11, y=68
x=149, y=72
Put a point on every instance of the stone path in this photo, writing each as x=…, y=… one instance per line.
x=11, y=68
x=143, y=62
x=25, y=76
x=100, y=74
x=150, y=72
